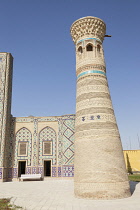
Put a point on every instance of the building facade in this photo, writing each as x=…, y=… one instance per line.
x=132, y=160
x=42, y=145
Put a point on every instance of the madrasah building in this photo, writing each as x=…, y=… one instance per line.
x=43, y=145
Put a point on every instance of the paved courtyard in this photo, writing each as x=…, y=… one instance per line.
x=55, y=194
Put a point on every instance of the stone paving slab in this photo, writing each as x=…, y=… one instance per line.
x=55, y=194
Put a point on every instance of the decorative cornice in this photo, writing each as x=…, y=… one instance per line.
x=88, y=27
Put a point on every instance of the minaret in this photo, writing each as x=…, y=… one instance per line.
x=100, y=171
x=6, y=68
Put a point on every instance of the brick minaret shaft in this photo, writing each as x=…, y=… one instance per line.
x=100, y=171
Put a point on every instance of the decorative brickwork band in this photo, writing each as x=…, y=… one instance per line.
x=88, y=39
x=90, y=72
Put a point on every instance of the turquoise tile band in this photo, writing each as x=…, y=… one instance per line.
x=88, y=39
x=91, y=72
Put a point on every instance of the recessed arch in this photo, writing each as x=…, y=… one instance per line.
x=47, y=130
x=23, y=130
x=23, y=137
x=47, y=145
x=80, y=50
x=98, y=48
x=89, y=47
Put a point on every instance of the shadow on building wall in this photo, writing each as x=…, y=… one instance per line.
x=11, y=152
x=129, y=169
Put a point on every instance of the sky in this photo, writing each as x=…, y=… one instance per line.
x=37, y=34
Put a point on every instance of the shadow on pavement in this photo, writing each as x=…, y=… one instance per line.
x=132, y=186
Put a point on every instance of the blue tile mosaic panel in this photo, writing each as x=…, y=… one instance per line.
x=23, y=135
x=40, y=170
x=0, y=173
x=34, y=170
x=35, y=137
x=28, y=170
x=68, y=171
x=68, y=141
x=66, y=126
x=54, y=172
x=59, y=171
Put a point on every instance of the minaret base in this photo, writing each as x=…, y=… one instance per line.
x=102, y=191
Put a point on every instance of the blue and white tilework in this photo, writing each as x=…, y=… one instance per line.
x=28, y=170
x=62, y=146
x=68, y=141
x=68, y=171
x=35, y=138
x=0, y=173
x=47, y=134
x=54, y=172
x=34, y=170
x=59, y=171
x=23, y=135
x=40, y=170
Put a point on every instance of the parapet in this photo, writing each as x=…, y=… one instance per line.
x=88, y=27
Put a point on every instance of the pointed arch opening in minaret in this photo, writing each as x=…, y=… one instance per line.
x=98, y=48
x=89, y=47
x=80, y=50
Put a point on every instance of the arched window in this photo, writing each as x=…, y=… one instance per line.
x=98, y=48
x=47, y=144
x=23, y=146
x=80, y=50
x=89, y=47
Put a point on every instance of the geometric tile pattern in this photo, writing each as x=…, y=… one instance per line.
x=59, y=171
x=35, y=137
x=68, y=171
x=34, y=170
x=11, y=144
x=60, y=155
x=54, y=173
x=28, y=170
x=23, y=135
x=5, y=103
x=40, y=170
x=2, y=102
x=47, y=134
x=0, y=173
x=68, y=141
x=47, y=119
